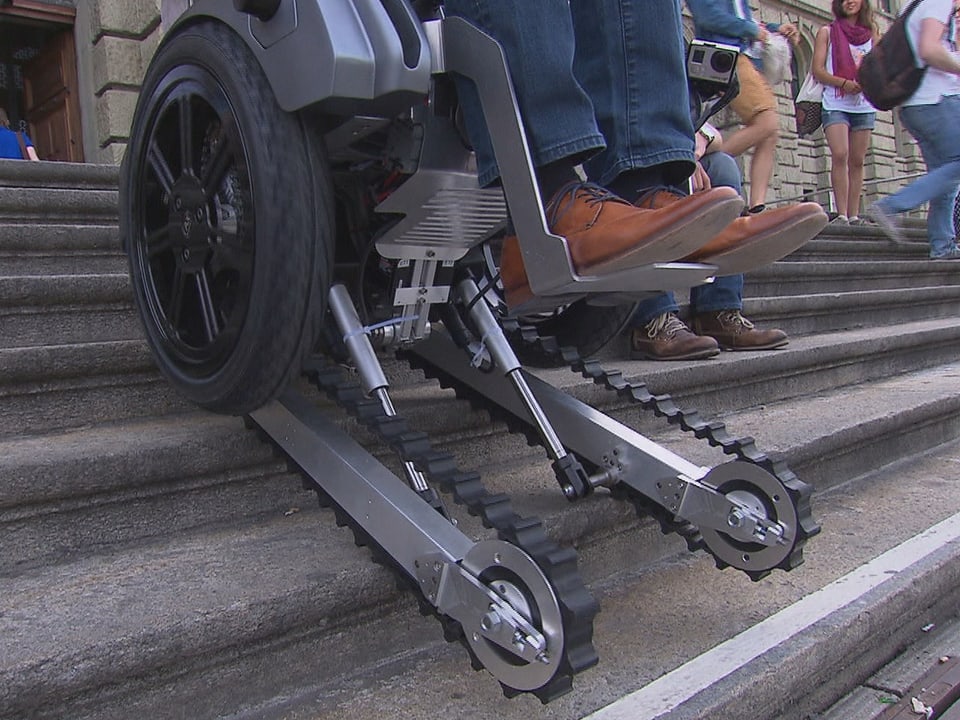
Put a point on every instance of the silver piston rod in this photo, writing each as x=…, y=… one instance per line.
x=369, y=370
x=570, y=474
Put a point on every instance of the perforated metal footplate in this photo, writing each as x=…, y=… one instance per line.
x=445, y=212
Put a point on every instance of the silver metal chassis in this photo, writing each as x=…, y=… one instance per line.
x=626, y=455
x=425, y=545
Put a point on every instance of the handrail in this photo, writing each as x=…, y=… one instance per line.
x=866, y=183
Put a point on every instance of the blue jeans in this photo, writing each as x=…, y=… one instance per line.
x=724, y=293
x=598, y=81
x=933, y=128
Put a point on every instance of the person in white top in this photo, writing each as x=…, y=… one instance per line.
x=848, y=118
x=931, y=116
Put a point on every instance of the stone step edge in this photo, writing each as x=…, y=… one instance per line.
x=817, y=650
x=59, y=175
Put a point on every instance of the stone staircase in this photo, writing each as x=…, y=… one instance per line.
x=159, y=561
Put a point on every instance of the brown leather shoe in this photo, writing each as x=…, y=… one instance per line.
x=667, y=338
x=734, y=332
x=604, y=232
x=759, y=239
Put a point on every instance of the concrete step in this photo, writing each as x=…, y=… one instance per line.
x=88, y=490
x=60, y=240
x=46, y=388
x=242, y=602
x=40, y=264
x=55, y=309
x=45, y=174
x=865, y=245
x=827, y=276
x=60, y=205
x=825, y=312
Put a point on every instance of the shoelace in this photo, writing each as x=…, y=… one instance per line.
x=649, y=197
x=569, y=193
x=734, y=317
x=667, y=324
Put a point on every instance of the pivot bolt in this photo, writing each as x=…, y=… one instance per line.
x=735, y=519
x=490, y=620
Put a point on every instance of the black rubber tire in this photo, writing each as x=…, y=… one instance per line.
x=588, y=328
x=226, y=216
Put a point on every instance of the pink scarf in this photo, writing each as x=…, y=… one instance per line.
x=843, y=34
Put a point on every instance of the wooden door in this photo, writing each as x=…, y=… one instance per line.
x=52, y=105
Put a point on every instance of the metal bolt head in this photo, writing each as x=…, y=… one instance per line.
x=490, y=620
x=735, y=519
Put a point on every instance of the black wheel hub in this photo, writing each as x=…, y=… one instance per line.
x=189, y=225
x=195, y=252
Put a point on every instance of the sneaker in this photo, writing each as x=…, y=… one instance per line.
x=733, y=331
x=951, y=254
x=605, y=232
x=840, y=220
x=754, y=241
x=666, y=337
x=887, y=223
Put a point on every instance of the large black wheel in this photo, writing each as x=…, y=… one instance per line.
x=226, y=217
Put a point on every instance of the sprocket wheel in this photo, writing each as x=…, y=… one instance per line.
x=763, y=494
x=515, y=577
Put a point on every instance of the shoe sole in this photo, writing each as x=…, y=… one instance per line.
x=768, y=346
x=689, y=235
x=893, y=233
x=699, y=355
x=768, y=247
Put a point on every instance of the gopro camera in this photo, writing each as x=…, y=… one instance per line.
x=710, y=63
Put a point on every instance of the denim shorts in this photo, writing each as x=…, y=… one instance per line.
x=855, y=121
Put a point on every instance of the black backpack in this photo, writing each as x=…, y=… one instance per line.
x=888, y=73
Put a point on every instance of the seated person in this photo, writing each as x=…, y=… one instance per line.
x=658, y=334
x=603, y=83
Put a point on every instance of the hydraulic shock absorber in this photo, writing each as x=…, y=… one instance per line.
x=570, y=474
x=369, y=370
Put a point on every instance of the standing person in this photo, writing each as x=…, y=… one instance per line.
x=930, y=115
x=848, y=117
x=731, y=22
x=657, y=333
x=10, y=141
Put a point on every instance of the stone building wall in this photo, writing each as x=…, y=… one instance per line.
x=116, y=39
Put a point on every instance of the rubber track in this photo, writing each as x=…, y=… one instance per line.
x=559, y=565
x=713, y=431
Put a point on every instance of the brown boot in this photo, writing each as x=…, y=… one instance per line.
x=604, y=232
x=734, y=332
x=756, y=240
x=667, y=338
